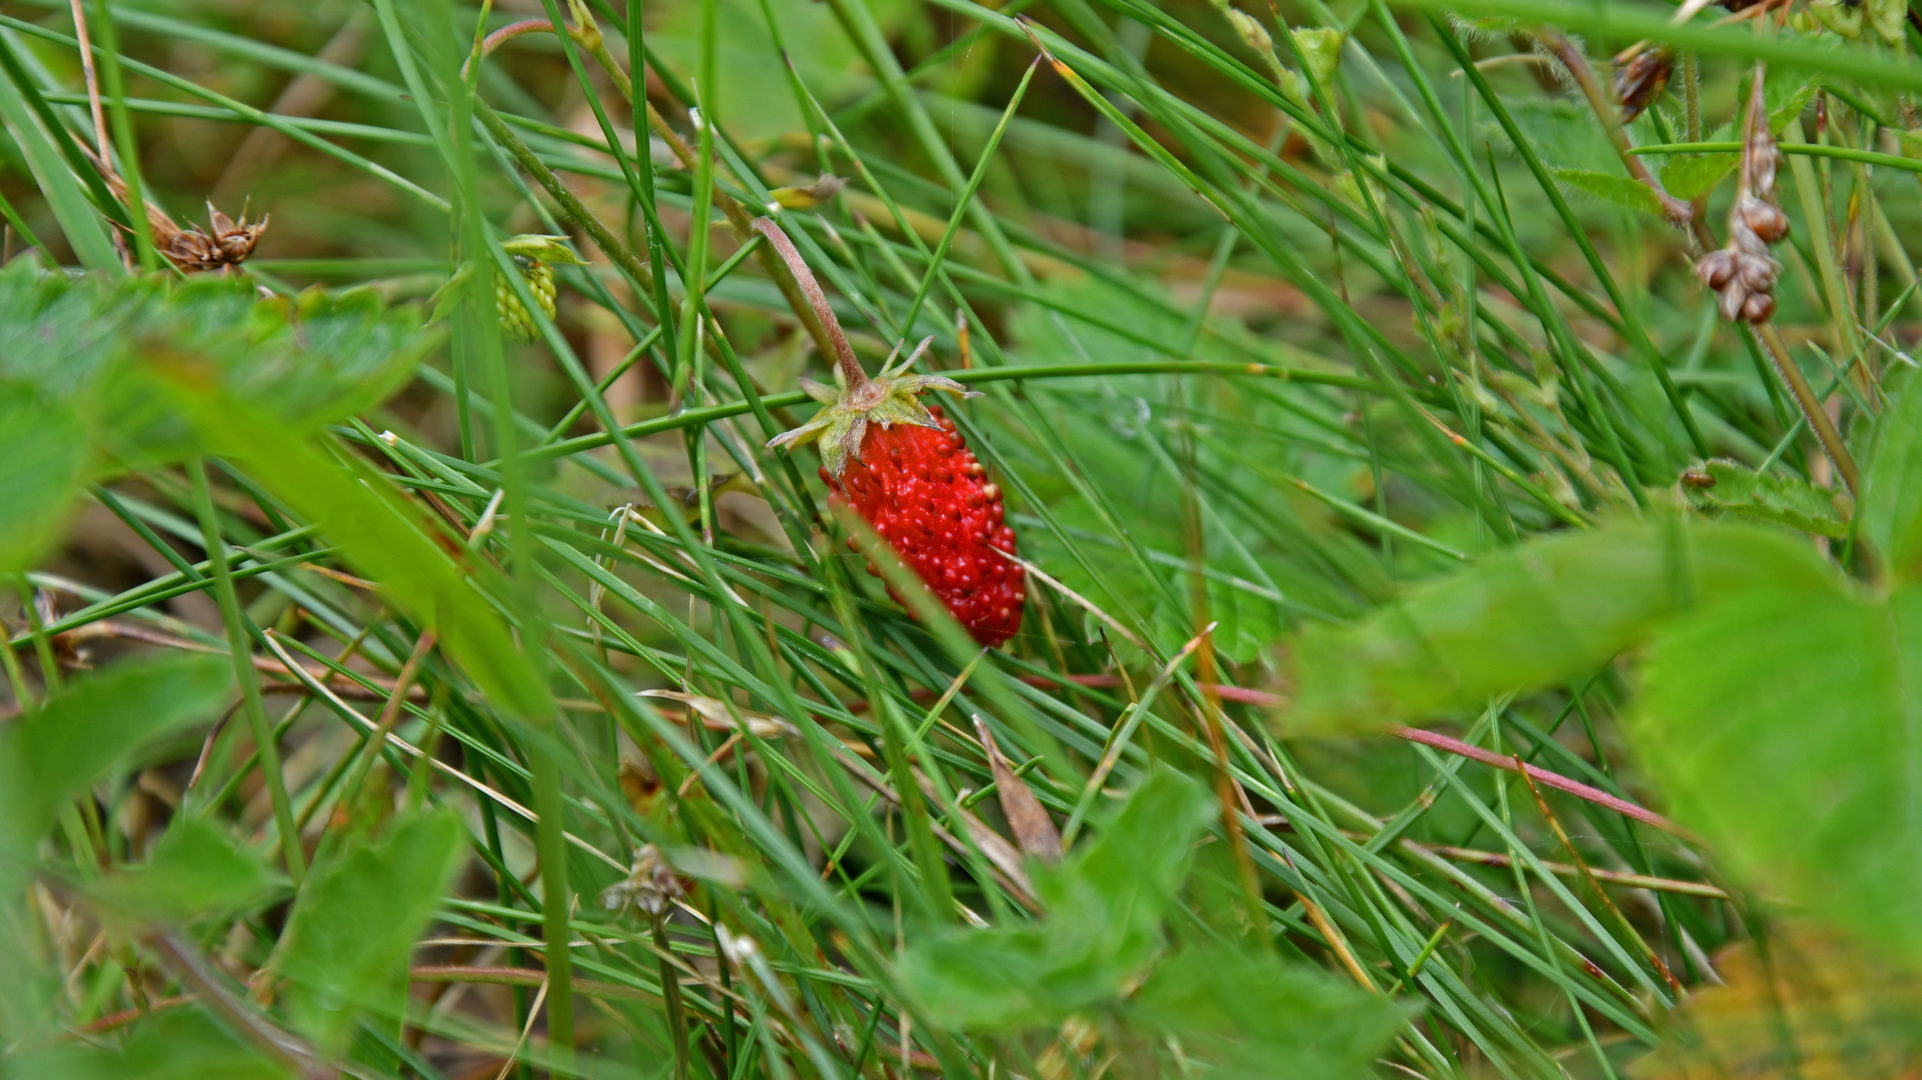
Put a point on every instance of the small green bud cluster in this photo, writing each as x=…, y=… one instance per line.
x=515, y=322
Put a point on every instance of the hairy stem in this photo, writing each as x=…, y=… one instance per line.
x=1679, y=214
x=571, y=204
x=843, y=352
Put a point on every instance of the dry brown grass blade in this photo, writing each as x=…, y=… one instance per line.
x=1005, y=857
x=1033, y=829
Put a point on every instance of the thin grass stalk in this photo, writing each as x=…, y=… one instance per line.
x=123, y=133
x=240, y=647
x=1541, y=928
x=1770, y=339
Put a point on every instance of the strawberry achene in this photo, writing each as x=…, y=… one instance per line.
x=926, y=495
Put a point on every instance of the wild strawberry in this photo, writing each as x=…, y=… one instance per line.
x=910, y=475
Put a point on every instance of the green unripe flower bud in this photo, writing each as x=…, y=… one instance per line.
x=515, y=322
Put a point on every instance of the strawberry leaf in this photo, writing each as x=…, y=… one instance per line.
x=1780, y=499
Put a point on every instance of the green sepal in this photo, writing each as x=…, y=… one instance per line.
x=843, y=421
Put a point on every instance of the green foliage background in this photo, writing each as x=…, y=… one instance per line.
x=1449, y=649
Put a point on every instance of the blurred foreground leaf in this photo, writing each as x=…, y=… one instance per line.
x=1254, y=1017
x=1782, y=725
x=1783, y=500
x=350, y=933
x=1245, y=1012
x=1521, y=619
x=1891, y=509
x=194, y=868
x=305, y=361
x=1104, y=907
x=1816, y=1009
x=180, y=1044
x=390, y=540
x=46, y=452
x=49, y=755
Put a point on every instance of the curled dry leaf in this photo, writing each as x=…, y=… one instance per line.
x=801, y=198
x=716, y=715
x=1033, y=829
x=1816, y=1008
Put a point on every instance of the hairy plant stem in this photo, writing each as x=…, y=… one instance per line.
x=1692, y=95
x=1679, y=214
x=196, y=973
x=1811, y=406
x=844, y=357
x=578, y=213
x=571, y=204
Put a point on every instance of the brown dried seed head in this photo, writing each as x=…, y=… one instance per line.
x=1765, y=218
x=228, y=244
x=1733, y=302
x=1757, y=273
x=1641, y=79
x=1759, y=307
x=1716, y=268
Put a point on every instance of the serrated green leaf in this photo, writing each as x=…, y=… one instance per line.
x=1783, y=500
x=1620, y=190
x=1104, y=908
x=194, y=869
x=1781, y=724
x=1690, y=176
x=1562, y=133
x=76, y=341
x=1887, y=17
x=47, y=756
x=1252, y=1016
x=1550, y=610
x=348, y=938
x=1842, y=17
x=1891, y=505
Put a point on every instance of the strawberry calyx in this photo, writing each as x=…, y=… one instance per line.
x=890, y=398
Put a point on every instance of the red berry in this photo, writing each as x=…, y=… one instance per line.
x=924, y=495
x=908, y=472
